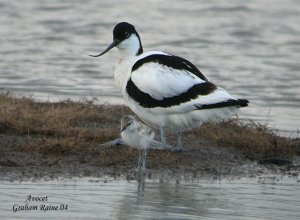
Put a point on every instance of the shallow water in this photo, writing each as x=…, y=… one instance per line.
x=250, y=48
x=265, y=198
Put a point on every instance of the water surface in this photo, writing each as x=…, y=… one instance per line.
x=265, y=198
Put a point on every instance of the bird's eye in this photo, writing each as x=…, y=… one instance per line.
x=127, y=34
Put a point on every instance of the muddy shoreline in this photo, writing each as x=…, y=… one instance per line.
x=62, y=140
x=205, y=161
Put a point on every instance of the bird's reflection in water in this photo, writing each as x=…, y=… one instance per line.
x=140, y=178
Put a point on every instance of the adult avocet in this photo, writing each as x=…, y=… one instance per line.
x=166, y=91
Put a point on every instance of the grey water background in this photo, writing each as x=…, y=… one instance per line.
x=251, y=48
x=273, y=198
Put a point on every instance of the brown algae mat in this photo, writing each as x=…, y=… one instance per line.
x=50, y=140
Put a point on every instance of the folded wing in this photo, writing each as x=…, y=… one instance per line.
x=176, y=85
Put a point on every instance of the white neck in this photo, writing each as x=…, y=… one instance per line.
x=129, y=48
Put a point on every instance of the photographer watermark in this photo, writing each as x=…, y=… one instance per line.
x=38, y=203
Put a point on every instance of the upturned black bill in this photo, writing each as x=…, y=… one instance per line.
x=112, y=45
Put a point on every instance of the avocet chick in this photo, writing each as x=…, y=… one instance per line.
x=139, y=136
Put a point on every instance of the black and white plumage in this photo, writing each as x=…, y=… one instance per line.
x=166, y=91
x=139, y=136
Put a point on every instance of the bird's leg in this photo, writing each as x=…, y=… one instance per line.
x=144, y=161
x=163, y=136
x=179, y=146
x=140, y=161
x=141, y=167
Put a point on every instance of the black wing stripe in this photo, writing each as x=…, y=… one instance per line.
x=147, y=101
x=170, y=61
x=231, y=102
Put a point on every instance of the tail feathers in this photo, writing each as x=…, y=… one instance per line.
x=242, y=102
x=229, y=103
